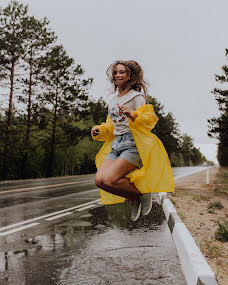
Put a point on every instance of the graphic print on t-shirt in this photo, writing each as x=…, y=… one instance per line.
x=116, y=115
x=133, y=100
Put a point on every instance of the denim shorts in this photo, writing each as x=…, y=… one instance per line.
x=124, y=146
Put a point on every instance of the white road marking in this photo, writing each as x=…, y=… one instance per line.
x=87, y=207
x=38, y=187
x=48, y=215
x=59, y=216
x=19, y=229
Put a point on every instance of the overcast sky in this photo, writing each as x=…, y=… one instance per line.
x=180, y=44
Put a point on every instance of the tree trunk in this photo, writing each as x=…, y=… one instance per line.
x=28, y=131
x=5, y=169
x=53, y=139
x=66, y=166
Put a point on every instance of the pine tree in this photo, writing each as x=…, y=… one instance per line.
x=187, y=149
x=166, y=128
x=197, y=157
x=11, y=51
x=38, y=39
x=64, y=92
x=218, y=127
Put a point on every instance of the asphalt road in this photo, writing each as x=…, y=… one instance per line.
x=55, y=231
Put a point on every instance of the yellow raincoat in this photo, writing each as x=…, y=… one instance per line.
x=156, y=174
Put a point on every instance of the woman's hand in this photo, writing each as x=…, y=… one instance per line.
x=95, y=131
x=125, y=110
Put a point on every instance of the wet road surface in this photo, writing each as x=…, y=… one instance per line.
x=62, y=235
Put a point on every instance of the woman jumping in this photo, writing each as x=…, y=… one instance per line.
x=133, y=162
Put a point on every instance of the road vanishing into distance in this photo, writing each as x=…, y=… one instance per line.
x=56, y=231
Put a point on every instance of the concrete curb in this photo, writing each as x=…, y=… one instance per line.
x=195, y=267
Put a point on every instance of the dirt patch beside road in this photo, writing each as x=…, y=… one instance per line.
x=201, y=207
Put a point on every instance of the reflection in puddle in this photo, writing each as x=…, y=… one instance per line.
x=46, y=243
x=126, y=252
x=104, y=228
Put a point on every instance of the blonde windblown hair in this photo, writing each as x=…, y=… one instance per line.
x=135, y=72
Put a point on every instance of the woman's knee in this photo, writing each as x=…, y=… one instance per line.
x=99, y=180
x=102, y=181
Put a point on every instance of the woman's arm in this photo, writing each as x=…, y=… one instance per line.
x=104, y=132
x=126, y=111
x=138, y=101
x=145, y=117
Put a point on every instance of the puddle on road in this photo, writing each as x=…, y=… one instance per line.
x=85, y=243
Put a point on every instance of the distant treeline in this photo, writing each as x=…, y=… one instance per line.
x=45, y=128
x=218, y=127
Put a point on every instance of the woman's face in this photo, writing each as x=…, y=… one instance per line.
x=120, y=75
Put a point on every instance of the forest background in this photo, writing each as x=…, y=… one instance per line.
x=45, y=130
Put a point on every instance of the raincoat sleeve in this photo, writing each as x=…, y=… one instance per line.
x=105, y=131
x=146, y=118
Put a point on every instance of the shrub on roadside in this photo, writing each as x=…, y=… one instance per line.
x=211, y=211
x=221, y=233
x=214, y=205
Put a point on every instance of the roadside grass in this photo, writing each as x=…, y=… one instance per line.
x=215, y=205
x=182, y=216
x=220, y=185
x=222, y=231
x=211, y=211
x=218, y=268
x=174, y=194
x=199, y=198
x=209, y=247
x=204, y=209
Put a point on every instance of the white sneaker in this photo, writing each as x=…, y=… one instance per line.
x=146, y=202
x=135, y=210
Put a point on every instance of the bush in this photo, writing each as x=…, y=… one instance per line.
x=217, y=205
x=222, y=231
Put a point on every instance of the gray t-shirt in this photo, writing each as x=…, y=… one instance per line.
x=133, y=100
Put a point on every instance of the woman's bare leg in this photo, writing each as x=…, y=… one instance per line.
x=110, y=177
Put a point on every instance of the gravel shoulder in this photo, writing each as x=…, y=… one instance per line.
x=201, y=207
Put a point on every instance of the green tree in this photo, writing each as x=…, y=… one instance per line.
x=180, y=149
x=98, y=111
x=38, y=39
x=11, y=51
x=166, y=128
x=64, y=91
x=218, y=127
x=176, y=159
x=187, y=149
x=197, y=157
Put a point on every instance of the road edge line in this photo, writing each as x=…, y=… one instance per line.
x=47, y=215
x=195, y=267
x=18, y=229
